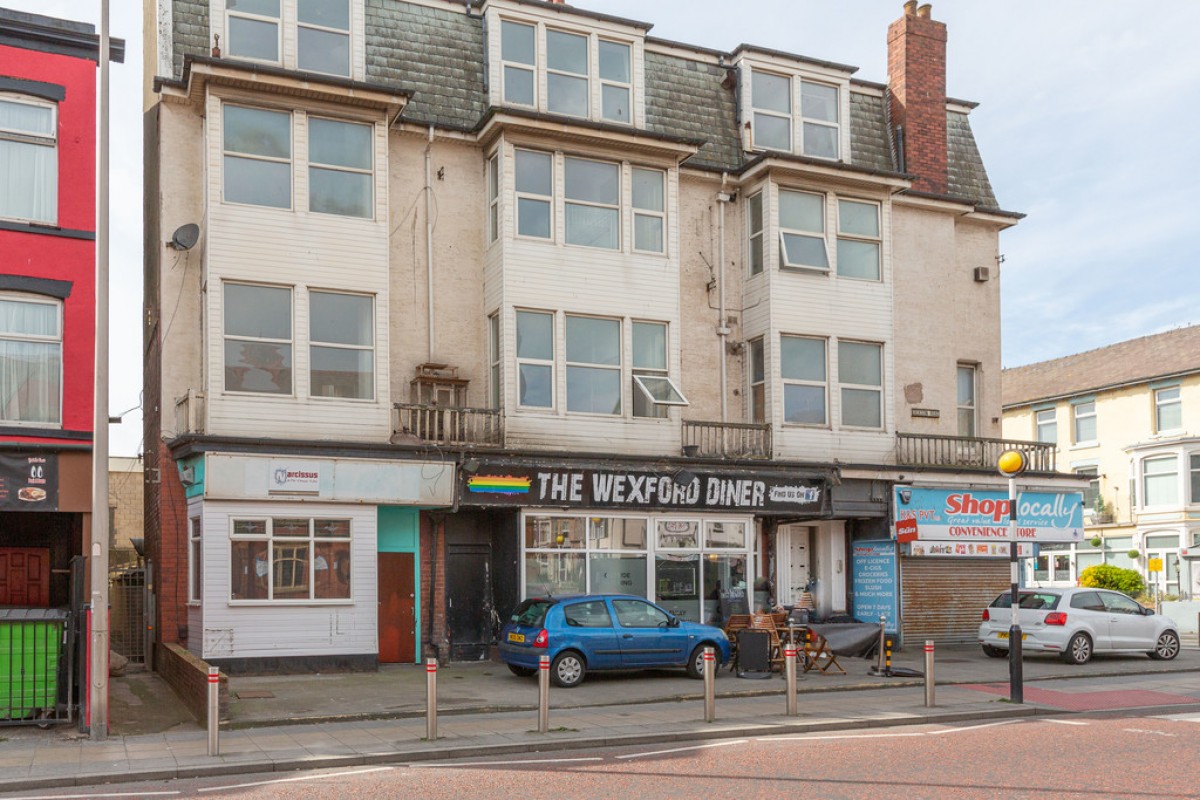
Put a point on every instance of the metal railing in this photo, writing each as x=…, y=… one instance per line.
x=449, y=426
x=726, y=439
x=931, y=450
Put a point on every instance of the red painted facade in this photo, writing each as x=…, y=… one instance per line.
x=29, y=252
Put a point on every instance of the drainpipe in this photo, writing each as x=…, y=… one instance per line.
x=723, y=330
x=429, y=234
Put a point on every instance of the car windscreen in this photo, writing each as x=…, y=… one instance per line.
x=532, y=612
x=1029, y=600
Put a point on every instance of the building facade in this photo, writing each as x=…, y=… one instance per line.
x=47, y=302
x=494, y=299
x=1127, y=418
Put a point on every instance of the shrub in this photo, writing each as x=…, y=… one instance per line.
x=1106, y=576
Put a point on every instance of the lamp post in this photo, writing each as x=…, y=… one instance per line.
x=1011, y=464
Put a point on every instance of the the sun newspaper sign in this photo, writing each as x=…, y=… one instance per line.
x=975, y=517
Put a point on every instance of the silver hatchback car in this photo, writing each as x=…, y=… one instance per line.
x=1077, y=623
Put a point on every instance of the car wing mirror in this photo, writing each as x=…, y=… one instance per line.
x=673, y=622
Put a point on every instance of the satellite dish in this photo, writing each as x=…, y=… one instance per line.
x=185, y=237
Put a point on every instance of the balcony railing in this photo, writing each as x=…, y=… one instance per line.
x=448, y=426
x=726, y=439
x=927, y=450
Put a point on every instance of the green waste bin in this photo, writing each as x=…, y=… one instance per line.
x=30, y=651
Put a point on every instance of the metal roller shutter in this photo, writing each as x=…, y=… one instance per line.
x=943, y=598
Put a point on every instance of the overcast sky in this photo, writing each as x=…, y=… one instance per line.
x=1086, y=124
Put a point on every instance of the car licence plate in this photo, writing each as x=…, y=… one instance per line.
x=517, y=637
x=1002, y=635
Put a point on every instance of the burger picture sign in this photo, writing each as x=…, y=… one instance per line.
x=29, y=482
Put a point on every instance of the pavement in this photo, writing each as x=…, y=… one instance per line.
x=293, y=722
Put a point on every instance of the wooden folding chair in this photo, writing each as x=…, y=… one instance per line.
x=817, y=654
x=766, y=622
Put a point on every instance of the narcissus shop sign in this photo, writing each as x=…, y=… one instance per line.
x=972, y=515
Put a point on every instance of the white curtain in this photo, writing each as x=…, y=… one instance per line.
x=30, y=371
x=28, y=181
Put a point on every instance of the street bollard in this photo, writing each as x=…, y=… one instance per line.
x=882, y=637
x=710, y=685
x=543, y=694
x=431, y=699
x=929, y=673
x=214, y=710
x=887, y=662
x=789, y=666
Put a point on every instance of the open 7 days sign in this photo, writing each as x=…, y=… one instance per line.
x=967, y=515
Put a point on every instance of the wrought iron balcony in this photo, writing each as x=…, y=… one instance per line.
x=448, y=426
x=929, y=450
x=726, y=439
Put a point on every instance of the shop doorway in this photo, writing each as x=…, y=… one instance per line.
x=794, y=543
x=469, y=600
x=397, y=609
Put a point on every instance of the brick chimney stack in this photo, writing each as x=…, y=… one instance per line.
x=917, y=91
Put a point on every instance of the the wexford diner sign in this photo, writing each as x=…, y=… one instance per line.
x=968, y=515
x=566, y=487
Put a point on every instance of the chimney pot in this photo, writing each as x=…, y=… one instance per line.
x=925, y=10
x=910, y=8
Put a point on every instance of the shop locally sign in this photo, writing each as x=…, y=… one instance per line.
x=969, y=515
x=29, y=482
x=524, y=486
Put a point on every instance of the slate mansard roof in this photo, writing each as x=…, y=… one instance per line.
x=438, y=56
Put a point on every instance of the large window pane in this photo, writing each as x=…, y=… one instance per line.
x=554, y=533
x=860, y=363
x=258, y=367
x=802, y=358
x=771, y=92
x=861, y=408
x=516, y=42
x=592, y=181
x=609, y=533
x=253, y=38
x=323, y=51
x=1160, y=481
x=326, y=13
x=34, y=120
x=535, y=335
x=772, y=133
x=559, y=574
x=593, y=391
x=804, y=404
x=567, y=52
x=533, y=218
x=567, y=95
x=341, y=318
x=30, y=381
x=254, y=131
x=593, y=341
x=30, y=187
x=331, y=571
x=818, y=101
x=617, y=574
x=260, y=183
x=344, y=193
x=342, y=373
x=648, y=233
x=858, y=219
x=614, y=61
x=534, y=172
x=820, y=141
x=650, y=345
x=536, y=389
x=677, y=587
x=263, y=312
x=802, y=211
x=1047, y=426
x=590, y=226
x=518, y=86
x=858, y=259
x=339, y=144
x=254, y=314
x=721, y=574
x=249, y=568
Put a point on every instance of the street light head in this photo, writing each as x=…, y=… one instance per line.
x=1011, y=463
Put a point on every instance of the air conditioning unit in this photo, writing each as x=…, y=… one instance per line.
x=982, y=274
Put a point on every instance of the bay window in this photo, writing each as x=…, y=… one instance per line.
x=308, y=35
x=1160, y=481
x=592, y=202
x=28, y=159
x=1194, y=497
x=535, y=359
x=31, y=358
x=802, y=230
x=775, y=115
x=771, y=98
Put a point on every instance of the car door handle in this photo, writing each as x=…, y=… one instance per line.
x=627, y=636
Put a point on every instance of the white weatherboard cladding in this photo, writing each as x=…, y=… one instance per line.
x=305, y=251
x=273, y=630
x=341, y=479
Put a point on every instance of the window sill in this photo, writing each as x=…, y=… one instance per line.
x=1084, y=445
x=800, y=270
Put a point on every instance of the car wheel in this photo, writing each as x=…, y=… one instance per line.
x=1079, y=649
x=1167, y=647
x=522, y=672
x=994, y=652
x=695, y=665
x=568, y=669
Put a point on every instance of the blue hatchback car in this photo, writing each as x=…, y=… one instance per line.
x=604, y=632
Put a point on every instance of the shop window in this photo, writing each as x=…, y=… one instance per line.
x=280, y=559
x=31, y=368
x=28, y=159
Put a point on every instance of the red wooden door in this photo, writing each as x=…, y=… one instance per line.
x=24, y=576
x=397, y=609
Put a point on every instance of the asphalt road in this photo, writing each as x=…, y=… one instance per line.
x=1109, y=755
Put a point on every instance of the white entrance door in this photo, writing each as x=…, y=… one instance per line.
x=795, y=562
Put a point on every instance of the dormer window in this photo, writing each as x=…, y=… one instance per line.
x=308, y=35
x=569, y=72
x=790, y=114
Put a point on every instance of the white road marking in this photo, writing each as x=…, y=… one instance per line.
x=976, y=727
x=1143, y=730
x=81, y=796
x=819, y=738
x=1180, y=717
x=294, y=780
x=684, y=749
x=1064, y=721
x=452, y=765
